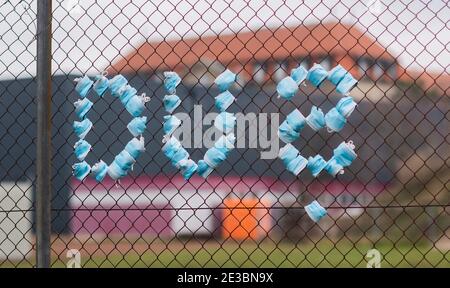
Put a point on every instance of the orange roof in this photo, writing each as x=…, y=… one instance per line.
x=319, y=39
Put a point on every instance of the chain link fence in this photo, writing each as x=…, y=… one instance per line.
x=249, y=212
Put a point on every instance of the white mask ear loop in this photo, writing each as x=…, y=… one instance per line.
x=76, y=80
x=145, y=98
x=330, y=130
x=165, y=139
x=351, y=145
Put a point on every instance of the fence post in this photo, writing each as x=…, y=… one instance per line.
x=43, y=157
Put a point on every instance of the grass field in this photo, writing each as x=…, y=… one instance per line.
x=214, y=254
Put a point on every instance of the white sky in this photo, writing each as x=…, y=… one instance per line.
x=96, y=32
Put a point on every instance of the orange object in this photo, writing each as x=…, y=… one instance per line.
x=245, y=219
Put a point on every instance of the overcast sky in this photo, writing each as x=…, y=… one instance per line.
x=88, y=34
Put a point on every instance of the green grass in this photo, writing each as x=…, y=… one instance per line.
x=323, y=254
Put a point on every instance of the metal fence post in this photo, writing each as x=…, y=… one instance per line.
x=43, y=166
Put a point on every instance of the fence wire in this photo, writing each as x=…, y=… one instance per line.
x=250, y=211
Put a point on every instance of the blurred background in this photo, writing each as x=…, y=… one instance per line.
x=394, y=197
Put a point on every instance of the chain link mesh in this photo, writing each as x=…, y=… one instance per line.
x=250, y=212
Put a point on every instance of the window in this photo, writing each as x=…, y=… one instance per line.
x=326, y=63
x=363, y=65
x=280, y=71
x=259, y=72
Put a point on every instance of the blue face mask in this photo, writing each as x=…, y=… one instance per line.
x=101, y=84
x=224, y=100
x=171, y=147
x=171, y=82
x=137, y=126
x=334, y=120
x=345, y=154
x=346, y=106
x=347, y=84
x=225, y=80
x=187, y=168
x=116, y=83
x=124, y=160
x=299, y=74
x=316, y=164
x=225, y=143
x=333, y=167
x=316, y=119
x=336, y=74
x=135, y=147
x=82, y=107
x=81, y=149
x=179, y=155
x=171, y=123
x=296, y=120
x=287, y=88
x=315, y=211
x=136, y=105
x=317, y=74
x=125, y=94
x=171, y=102
x=286, y=133
x=82, y=128
x=100, y=169
x=115, y=172
x=292, y=160
x=203, y=169
x=225, y=122
x=81, y=170
x=213, y=157
x=83, y=86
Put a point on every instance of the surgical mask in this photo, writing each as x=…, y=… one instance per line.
x=82, y=107
x=171, y=81
x=292, y=159
x=101, y=84
x=137, y=126
x=337, y=74
x=315, y=211
x=136, y=105
x=213, y=157
x=115, y=172
x=225, y=80
x=116, y=83
x=82, y=128
x=135, y=147
x=171, y=123
x=296, y=120
x=316, y=164
x=99, y=170
x=347, y=84
x=345, y=154
x=225, y=143
x=171, y=102
x=187, y=168
x=346, y=106
x=179, y=155
x=81, y=149
x=225, y=122
x=286, y=133
x=124, y=160
x=317, y=74
x=83, y=86
x=316, y=119
x=287, y=88
x=125, y=94
x=171, y=146
x=333, y=167
x=224, y=100
x=81, y=170
x=334, y=120
x=299, y=74
x=203, y=169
